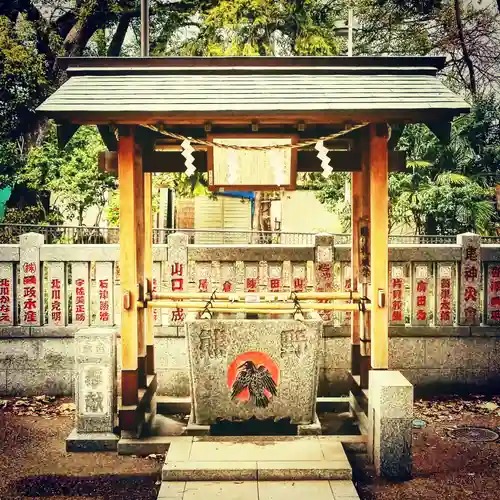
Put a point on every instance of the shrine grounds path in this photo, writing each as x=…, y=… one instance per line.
x=34, y=464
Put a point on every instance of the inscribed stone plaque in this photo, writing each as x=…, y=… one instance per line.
x=397, y=294
x=31, y=277
x=445, y=294
x=177, y=279
x=80, y=293
x=421, y=292
x=6, y=294
x=95, y=377
x=57, y=296
x=104, y=294
x=493, y=295
x=279, y=356
x=251, y=277
x=470, y=279
x=299, y=280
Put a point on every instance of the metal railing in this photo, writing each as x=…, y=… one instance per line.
x=9, y=233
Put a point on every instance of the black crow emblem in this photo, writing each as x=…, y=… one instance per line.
x=259, y=381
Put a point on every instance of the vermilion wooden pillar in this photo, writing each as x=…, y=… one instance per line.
x=356, y=198
x=379, y=246
x=148, y=270
x=129, y=180
x=364, y=260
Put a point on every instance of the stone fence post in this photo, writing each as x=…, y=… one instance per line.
x=95, y=399
x=470, y=279
x=390, y=417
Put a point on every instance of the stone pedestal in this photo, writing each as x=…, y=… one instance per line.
x=263, y=368
x=390, y=416
x=95, y=380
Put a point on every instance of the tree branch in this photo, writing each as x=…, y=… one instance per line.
x=465, y=51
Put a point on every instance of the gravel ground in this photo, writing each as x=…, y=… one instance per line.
x=34, y=464
x=444, y=468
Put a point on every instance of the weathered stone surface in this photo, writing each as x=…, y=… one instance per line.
x=9, y=253
x=215, y=490
x=3, y=381
x=14, y=332
x=406, y=353
x=173, y=382
x=252, y=253
x=209, y=471
x=95, y=376
x=91, y=442
x=390, y=406
x=337, y=353
x=22, y=353
x=171, y=353
x=430, y=331
x=447, y=353
x=286, y=348
x=394, y=459
x=301, y=471
x=35, y=381
x=83, y=253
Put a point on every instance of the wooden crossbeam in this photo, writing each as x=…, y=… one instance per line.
x=307, y=161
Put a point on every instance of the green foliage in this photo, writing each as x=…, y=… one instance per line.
x=445, y=189
x=71, y=174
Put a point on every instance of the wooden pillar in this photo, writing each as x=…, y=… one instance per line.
x=356, y=195
x=129, y=181
x=379, y=246
x=364, y=260
x=140, y=228
x=148, y=270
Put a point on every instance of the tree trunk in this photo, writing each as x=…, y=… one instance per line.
x=465, y=51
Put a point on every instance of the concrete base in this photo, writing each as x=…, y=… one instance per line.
x=193, y=429
x=313, y=429
x=91, y=442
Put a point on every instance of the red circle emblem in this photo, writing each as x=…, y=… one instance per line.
x=259, y=359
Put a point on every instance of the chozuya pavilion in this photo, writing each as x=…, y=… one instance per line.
x=252, y=355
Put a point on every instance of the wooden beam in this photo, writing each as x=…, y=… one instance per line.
x=341, y=161
x=128, y=267
x=379, y=246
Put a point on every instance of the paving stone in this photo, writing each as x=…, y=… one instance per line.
x=209, y=471
x=308, y=470
x=180, y=449
x=227, y=490
x=332, y=450
x=268, y=451
x=343, y=490
x=295, y=490
x=171, y=490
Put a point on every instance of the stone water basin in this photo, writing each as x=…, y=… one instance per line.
x=263, y=368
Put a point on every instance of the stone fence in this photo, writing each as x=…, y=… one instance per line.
x=444, y=306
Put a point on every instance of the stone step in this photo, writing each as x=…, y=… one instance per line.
x=251, y=458
x=254, y=490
